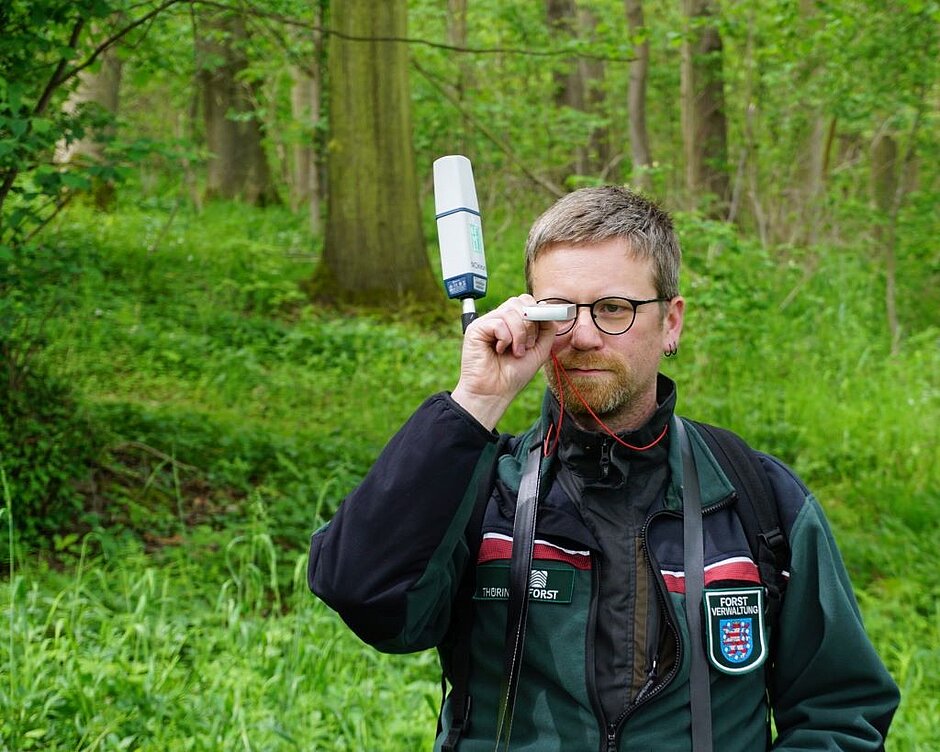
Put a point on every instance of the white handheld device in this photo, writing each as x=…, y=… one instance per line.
x=550, y=312
x=459, y=232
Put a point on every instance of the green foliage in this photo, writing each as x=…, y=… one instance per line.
x=47, y=439
x=231, y=417
x=165, y=383
x=46, y=446
x=189, y=651
x=43, y=49
x=37, y=46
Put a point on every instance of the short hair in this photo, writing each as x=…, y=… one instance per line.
x=597, y=214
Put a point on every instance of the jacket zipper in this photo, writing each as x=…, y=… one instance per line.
x=650, y=689
x=606, y=446
x=589, y=654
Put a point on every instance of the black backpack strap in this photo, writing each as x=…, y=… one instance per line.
x=461, y=621
x=517, y=607
x=700, y=700
x=756, y=508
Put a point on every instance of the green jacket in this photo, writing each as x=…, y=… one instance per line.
x=392, y=559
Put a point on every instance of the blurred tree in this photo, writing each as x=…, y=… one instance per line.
x=884, y=190
x=306, y=184
x=641, y=160
x=578, y=84
x=238, y=166
x=98, y=87
x=704, y=126
x=457, y=37
x=374, y=247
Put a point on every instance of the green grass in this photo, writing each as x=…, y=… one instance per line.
x=231, y=417
x=132, y=651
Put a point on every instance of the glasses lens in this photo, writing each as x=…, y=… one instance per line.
x=613, y=315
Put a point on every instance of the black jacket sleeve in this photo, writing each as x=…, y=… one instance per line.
x=390, y=560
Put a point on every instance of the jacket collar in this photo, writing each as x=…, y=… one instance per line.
x=713, y=483
x=595, y=456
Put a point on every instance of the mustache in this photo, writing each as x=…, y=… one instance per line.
x=587, y=363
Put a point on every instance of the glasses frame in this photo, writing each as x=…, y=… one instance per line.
x=635, y=304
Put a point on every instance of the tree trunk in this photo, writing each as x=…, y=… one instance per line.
x=597, y=152
x=457, y=36
x=238, y=167
x=884, y=191
x=305, y=173
x=306, y=109
x=704, y=127
x=636, y=96
x=578, y=83
x=561, y=18
x=801, y=205
x=374, y=249
x=301, y=107
x=812, y=172
x=97, y=87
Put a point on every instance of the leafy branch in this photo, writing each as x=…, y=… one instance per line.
x=62, y=74
x=569, y=52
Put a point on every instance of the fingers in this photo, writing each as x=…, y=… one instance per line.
x=506, y=330
x=501, y=353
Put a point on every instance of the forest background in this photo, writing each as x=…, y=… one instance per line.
x=219, y=297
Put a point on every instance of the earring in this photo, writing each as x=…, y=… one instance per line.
x=672, y=351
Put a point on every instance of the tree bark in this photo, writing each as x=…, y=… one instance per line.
x=100, y=88
x=578, y=83
x=457, y=36
x=884, y=192
x=636, y=96
x=306, y=108
x=801, y=204
x=238, y=167
x=704, y=125
x=374, y=247
x=305, y=173
x=597, y=152
x=561, y=18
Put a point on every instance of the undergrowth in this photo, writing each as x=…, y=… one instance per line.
x=218, y=418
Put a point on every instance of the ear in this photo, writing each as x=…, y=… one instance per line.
x=672, y=322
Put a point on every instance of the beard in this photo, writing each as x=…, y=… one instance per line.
x=605, y=394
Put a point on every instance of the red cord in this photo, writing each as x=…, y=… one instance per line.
x=561, y=417
x=546, y=450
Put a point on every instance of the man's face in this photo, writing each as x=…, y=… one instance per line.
x=615, y=374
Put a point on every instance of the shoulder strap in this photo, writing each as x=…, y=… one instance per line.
x=517, y=607
x=700, y=702
x=457, y=669
x=756, y=508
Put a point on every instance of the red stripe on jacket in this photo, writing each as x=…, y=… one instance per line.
x=495, y=547
x=738, y=568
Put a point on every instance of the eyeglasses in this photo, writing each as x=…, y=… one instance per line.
x=611, y=315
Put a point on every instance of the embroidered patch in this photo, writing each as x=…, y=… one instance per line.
x=737, y=640
x=547, y=585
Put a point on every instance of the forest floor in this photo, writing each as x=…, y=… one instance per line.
x=226, y=417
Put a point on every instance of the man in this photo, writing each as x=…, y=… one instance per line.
x=608, y=652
